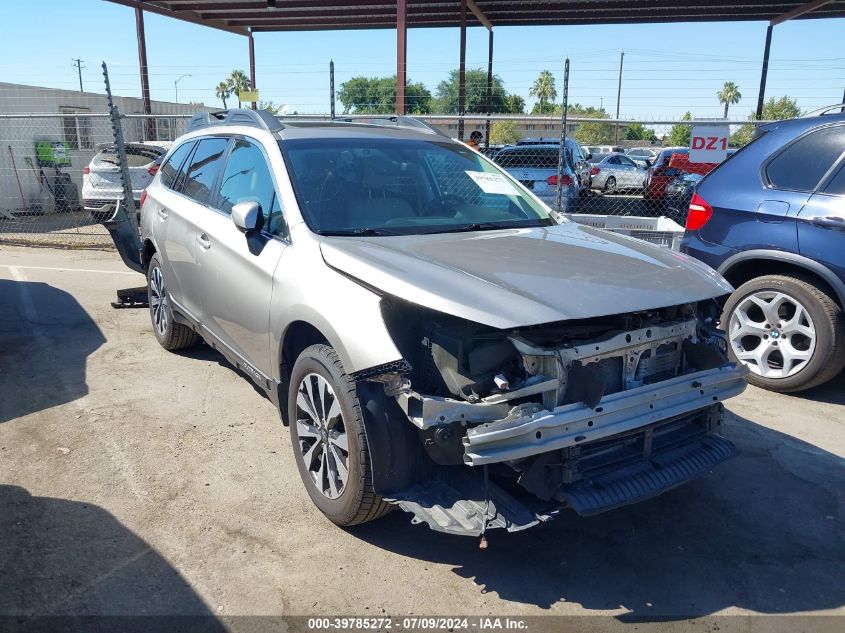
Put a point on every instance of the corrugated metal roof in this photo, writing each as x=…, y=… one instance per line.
x=300, y=15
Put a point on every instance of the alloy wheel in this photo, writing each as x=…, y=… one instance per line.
x=772, y=333
x=323, y=442
x=158, y=301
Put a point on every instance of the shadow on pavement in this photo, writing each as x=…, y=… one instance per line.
x=45, y=340
x=762, y=532
x=832, y=392
x=66, y=558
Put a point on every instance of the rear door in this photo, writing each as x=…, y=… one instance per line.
x=821, y=223
x=191, y=201
x=236, y=270
x=168, y=220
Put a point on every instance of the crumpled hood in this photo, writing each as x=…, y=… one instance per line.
x=519, y=277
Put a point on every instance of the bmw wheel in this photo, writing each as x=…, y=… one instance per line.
x=787, y=331
x=610, y=184
x=329, y=439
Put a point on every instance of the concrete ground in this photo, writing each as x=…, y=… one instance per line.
x=136, y=481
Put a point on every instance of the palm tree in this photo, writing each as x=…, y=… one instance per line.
x=729, y=94
x=222, y=92
x=544, y=89
x=238, y=82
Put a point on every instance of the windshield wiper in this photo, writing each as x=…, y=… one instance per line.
x=362, y=232
x=479, y=226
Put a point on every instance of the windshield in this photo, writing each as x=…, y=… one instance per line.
x=355, y=186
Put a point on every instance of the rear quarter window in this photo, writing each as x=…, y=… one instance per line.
x=171, y=167
x=804, y=162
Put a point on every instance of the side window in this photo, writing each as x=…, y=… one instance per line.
x=174, y=163
x=836, y=186
x=613, y=160
x=247, y=177
x=205, y=165
x=801, y=166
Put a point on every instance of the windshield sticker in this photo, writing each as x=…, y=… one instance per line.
x=493, y=183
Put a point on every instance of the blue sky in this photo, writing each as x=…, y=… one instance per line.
x=669, y=68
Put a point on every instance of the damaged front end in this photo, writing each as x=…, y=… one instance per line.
x=517, y=424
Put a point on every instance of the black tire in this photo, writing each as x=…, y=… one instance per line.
x=828, y=357
x=357, y=502
x=610, y=184
x=173, y=336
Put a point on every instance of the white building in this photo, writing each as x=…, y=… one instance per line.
x=88, y=127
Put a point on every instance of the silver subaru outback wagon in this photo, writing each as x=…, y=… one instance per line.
x=435, y=337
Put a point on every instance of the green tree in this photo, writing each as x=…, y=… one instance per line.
x=544, y=90
x=593, y=133
x=475, y=96
x=238, y=82
x=222, y=92
x=514, y=104
x=680, y=133
x=639, y=132
x=729, y=95
x=504, y=133
x=377, y=95
x=773, y=110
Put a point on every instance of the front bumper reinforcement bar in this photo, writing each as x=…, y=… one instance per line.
x=572, y=424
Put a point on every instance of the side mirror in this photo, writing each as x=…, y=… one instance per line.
x=248, y=216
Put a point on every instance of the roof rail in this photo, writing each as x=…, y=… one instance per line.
x=398, y=121
x=263, y=119
x=825, y=110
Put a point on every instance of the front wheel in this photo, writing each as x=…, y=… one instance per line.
x=329, y=439
x=787, y=331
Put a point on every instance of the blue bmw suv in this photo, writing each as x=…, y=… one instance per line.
x=771, y=219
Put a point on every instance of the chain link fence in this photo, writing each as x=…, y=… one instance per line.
x=59, y=176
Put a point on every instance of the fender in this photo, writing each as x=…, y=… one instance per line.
x=790, y=258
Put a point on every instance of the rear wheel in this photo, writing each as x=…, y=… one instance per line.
x=329, y=439
x=610, y=184
x=170, y=335
x=787, y=331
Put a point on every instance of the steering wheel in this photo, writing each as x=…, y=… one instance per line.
x=441, y=205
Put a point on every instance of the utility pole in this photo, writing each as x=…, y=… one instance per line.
x=331, y=87
x=842, y=109
x=79, y=67
x=618, y=96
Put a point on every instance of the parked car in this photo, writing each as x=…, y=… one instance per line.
x=678, y=195
x=101, y=184
x=617, y=172
x=772, y=221
x=433, y=337
x=660, y=174
x=535, y=166
x=577, y=155
x=605, y=149
x=648, y=153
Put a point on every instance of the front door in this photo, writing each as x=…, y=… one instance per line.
x=237, y=269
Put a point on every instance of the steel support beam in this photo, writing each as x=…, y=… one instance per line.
x=761, y=97
x=462, y=88
x=489, y=87
x=153, y=8
x=798, y=11
x=401, y=54
x=145, y=77
x=252, y=67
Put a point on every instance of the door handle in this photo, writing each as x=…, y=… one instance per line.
x=162, y=213
x=835, y=222
x=204, y=241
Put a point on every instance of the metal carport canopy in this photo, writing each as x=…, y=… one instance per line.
x=298, y=15
x=246, y=17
